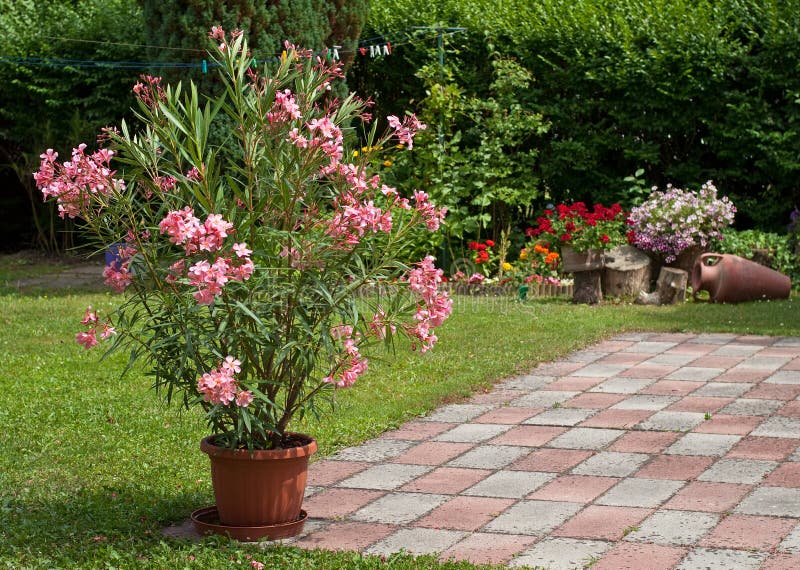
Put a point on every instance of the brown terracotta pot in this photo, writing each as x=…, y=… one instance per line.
x=733, y=279
x=262, y=487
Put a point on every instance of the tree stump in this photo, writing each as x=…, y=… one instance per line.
x=587, y=289
x=670, y=288
x=627, y=271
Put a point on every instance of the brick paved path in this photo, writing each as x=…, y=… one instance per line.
x=646, y=451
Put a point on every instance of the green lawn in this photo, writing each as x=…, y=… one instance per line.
x=94, y=466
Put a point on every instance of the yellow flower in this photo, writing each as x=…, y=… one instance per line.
x=387, y=162
x=523, y=255
x=355, y=153
x=507, y=266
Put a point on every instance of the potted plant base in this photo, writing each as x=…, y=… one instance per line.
x=258, y=493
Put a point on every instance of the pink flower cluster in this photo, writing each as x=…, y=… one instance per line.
x=325, y=135
x=352, y=364
x=88, y=338
x=209, y=278
x=433, y=216
x=406, y=129
x=75, y=182
x=117, y=274
x=220, y=387
x=435, y=308
x=183, y=228
x=150, y=92
x=284, y=109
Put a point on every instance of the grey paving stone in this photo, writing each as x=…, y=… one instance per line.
x=637, y=492
x=399, y=508
x=386, y=476
x=510, y=484
x=417, y=541
x=543, y=398
x=679, y=528
x=585, y=356
x=633, y=337
x=623, y=385
x=778, y=427
x=527, y=382
x=721, y=559
x=672, y=421
x=561, y=554
x=762, y=363
x=489, y=456
x=670, y=360
x=771, y=501
x=458, y=413
x=695, y=373
x=738, y=471
x=788, y=341
x=723, y=389
x=737, y=349
x=586, y=438
x=645, y=402
x=311, y=490
x=795, y=456
x=784, y=377
x=611, y=464
x=473, y=433
x=560, y=417
x=712, y=338
x=598, y=370
x=373, y=451
x=533, y=518
x=707, y=444
x=752, y=407
x=650, y=347
x=792, y=541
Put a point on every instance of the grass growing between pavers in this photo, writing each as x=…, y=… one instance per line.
x=94, y=466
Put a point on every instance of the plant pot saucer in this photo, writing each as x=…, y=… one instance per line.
x=206, y=521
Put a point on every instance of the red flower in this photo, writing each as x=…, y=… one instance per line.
x=482, y=257
x=565, y=237
x=530, y=232
x=489, y=243
x=481, y=247
x=604, y=238
x=570, y=226
x=631, y=235
x=473, y=245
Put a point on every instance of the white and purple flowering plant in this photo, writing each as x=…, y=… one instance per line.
x=674, y=220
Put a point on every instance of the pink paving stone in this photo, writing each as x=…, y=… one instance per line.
x=766, y=391
x=415, y=431
x=630, y=556
x=742, y=375
x=692, y=348
x=533, y=436
x=728, y=424
x=786, y=475
x=644, y=441
x=574, y=383
x=551, y=460
x=785, y=351
x=345, y=536
x=432, y=453
x=675, y=467
x=717, y=361
x=333, y=503
x=671, y=388
x=699, y=404
x=793, y=364
x=574, y=488
x=602, y=522
x=746, y=531
x=781, y=562
x=594, y=400
x=647, y=371
x=328, y=471
x=508, y=415
x=766, y=448
x=485, y=548
x=790, y=410
x=625, y=358
x=465, y=513
x=708, y=497
x=622, y=419
x=671, y=337
x=561, y=368
x=446, y=480
x=494, y=397
x=762, y=340
x=611, y=345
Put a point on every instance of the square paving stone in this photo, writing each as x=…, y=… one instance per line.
x=726, y=424
x=446, y=480
x=672, y=388
x=708, y=497
x=643, y=370
x=551, y=460
x=489, y=456
x=373, y=451
x=738, y=471
x=721, y=559
x=781, y=562
x=585, y=356
x=674, y=527
x=713, y=361
x=784, y=392
x=416, y=541
x=611, y=464
x=544, y=398
x=623, y=385
x=534, y=518
x=724, y=389
x=787, y=475
x=507, y=415
x=772, y=501
x=418, y=430
x=617, y=419
x=787, y=341
x=612, y=345
x=594, y=400
x=432, y=452
x=779, y=427
x=574, y=488
x=465, y=513
x=345, y=536
x=528, y=382
x=399, y=508
x=713, y=338
x=560, y=368
x=602, y=522
x=738, y=349
x=629, y=556
x=752, y=407
x=650, y=347
x=671, y=359
x=561, y=554
x=386, y=476
x=702, y=404
x=675, y=467
x=748, y=532
x=633, y=337
x=769, y=448
x=636, y=492
x=790, y=409
x=574, y=384
x=708, y=444
x=672, y=421
x=509, y=484
x=585, y=438
x=336, y=503
x=763, y=362
x=458, y=412
x=644, y=442
x=494, y=396
x=533, y=436
x=783, y=377
x=473, y=548
x=695, y=374
x=598, y=370
x=645, y=402
x=560, y=417
x=742, y=375
x=792, y=541
x=629, y=358
x=472, y=433
x=328, y=472
x=693, y=347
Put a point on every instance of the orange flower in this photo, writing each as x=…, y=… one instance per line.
x=551, y=257
x=541, y=249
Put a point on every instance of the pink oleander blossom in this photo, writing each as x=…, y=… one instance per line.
x=435, y=306
x=87, y=339
x=406, y=130
x=220, y=387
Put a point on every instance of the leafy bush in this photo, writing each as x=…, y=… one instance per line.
x=775, y=249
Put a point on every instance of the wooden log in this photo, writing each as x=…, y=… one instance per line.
x=627, y=271
x=587, y=289
x=670, y=288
